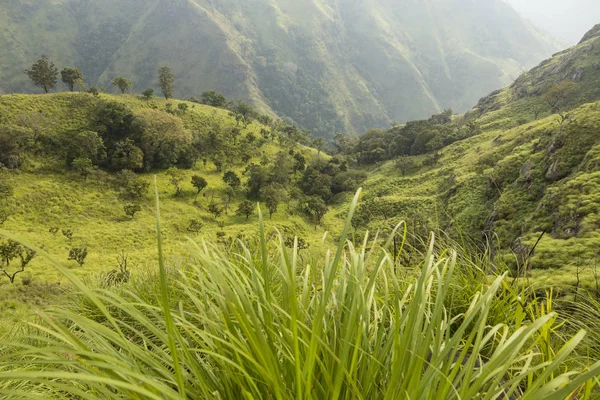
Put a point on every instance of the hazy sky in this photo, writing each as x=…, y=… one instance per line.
x=567, y=20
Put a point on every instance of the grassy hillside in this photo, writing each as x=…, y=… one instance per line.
x=48, y=196
x=524, y=173
x=326, y=65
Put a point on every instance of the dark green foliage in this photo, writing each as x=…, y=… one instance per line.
x=131, y=209
x=83, y=166
x=232, y=179
x=272, y=195
x=166, y=79
x=14, y=140
x=246, y=208
x=94, y=91
x=199, y=183
x=215, y=209
x=131, y=185
x=257, y=179
x=71, y=77
x=315, y=208
x=183, y=107
x=43, y=74
x=84, y=144
x=122, y=83
x=127, y=156
x=148, y=94
x=214, y=99
x=54, y=230
x=302, y=243
x=78, y=254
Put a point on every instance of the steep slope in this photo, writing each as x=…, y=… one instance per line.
x=528, y=174
x=328, y=65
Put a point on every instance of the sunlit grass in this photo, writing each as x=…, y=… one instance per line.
x=257, y=322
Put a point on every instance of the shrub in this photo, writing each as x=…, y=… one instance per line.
x=78, y=254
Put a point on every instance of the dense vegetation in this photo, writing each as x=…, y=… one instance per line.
x=326, y=65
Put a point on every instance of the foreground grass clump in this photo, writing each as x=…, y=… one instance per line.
x=256, y=322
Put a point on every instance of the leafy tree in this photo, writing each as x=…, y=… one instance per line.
x=243, y=112
x=163, y=138
x=43, y=74
x=246, y=208
x=232, y=179
x=83, y=166
x=94, y=91
x=122, y=83
x=131, y=209
x=78, y=254
x=557, y=97
x=4, y=215
x=214, y=99
x=319, y=144
x=272, y=195
x=215, y=209
x=84, y=144
x=127, y=156
x=315, y=208
x=10, y=250
x=257, y=178
x=199, y=183
x=132, y=185
x=6, y=191
x=228, y=195
x=71, y=77
x=176, y=177
x=299, y=163
x=148, y=94
x=166, y=80
x=404, y=164
x=348, y=181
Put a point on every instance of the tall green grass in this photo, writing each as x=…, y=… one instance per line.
x=255, y=322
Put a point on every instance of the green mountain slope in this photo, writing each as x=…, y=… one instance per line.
x=526, y=173
x=327, y=65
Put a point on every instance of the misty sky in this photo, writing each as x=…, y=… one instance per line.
x=567, y=20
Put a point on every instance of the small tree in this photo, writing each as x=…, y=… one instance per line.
x=131, y=209
x=214, y=99
x=232, y=180
x=199, y=183
x=246, y=208
x=78, y=254
x=148, y=94
x=166, y=81
x=215, y=210
x=315, y=208
x=557, y=98
x=272, y=196
x=71, y=77
x=10, y=250
x=43, y=74
x=94, y=91
x=122, y=83
x=319, y=144
x=176, y=176
x=54, y=230
x=83, y=166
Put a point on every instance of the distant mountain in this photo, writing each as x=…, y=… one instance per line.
x=327, y=65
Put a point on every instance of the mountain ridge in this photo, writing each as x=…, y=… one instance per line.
x=336, y=65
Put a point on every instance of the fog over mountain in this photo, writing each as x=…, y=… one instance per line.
x=566, y=20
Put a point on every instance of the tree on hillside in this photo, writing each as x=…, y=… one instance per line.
x=557, y=98
x=71, y=77
x=148, y=94
x=166, y=80
x=78, y=254
x=83, y=166
x=199, y=183
x=246, y=208
x=319, y=144
x=122, y=83
x=43, y=74
x=10, y=250
x=315, y=208
x=214, y=99
x=176, y=176
x=272, y=196
x=232, y=179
